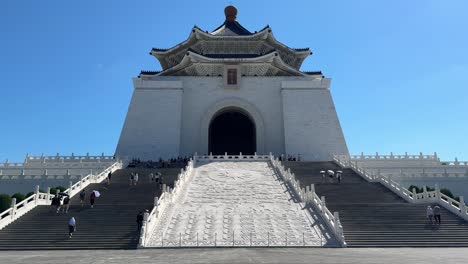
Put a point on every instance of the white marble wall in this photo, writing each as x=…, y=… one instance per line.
x=170, y=116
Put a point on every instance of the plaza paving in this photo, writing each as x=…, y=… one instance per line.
x=242, y=255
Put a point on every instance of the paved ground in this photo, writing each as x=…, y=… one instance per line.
x=242, y=255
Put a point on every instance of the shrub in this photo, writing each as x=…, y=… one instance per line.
x=60, y=188
x=29, y=194
x=414, y=187
x=5, y=202
x=447, y=192
x=19, y=197
x=53, y=190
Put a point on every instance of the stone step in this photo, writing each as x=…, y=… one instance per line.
x=373, y=216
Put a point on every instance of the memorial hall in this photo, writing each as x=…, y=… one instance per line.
x=231, y=90
x=232, y=144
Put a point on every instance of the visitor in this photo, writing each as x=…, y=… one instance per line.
x=109, y=177
x=55, y=203
x=132, y=177
x=436, y=211
x=151, y=177
x=66, y=204
x=429, y=213
x=338, y=176
x=139, y=221
x=135, y=179
x=82, y=197
x=58, y=203
x=71, y=226
x=92, y=198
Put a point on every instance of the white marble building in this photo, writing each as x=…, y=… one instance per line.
x=231, y=91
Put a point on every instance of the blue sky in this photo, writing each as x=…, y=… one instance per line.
x=399, y=68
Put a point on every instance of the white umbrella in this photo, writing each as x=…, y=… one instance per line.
x=96, y=193
x=330, y=172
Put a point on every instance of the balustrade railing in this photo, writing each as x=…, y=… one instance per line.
x=161, y=204
x=457, y=207
x=211, y=157
x=19, y=209
x=310, y=197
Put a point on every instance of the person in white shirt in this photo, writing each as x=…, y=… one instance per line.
x=135, y=179
x=71, y=226
x=429, y=213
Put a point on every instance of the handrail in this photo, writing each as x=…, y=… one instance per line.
x=17, y=210
x=458, y=208
x=167, y=197
x=308, y=196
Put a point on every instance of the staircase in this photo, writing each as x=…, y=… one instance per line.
x=236, y=203
x=373, y=216
x=111, y=224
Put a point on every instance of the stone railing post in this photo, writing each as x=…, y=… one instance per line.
x=70, y=184
x=13, y=208
x=36, y=192
x=336, y=217
x=462, y=205
x=425, y=192
x=322, y=198
x=437, y=192
x=48, y=196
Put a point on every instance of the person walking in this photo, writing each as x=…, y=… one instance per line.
x=82, y=197
x=58, y=203
x=436, y=211
x=71, y=226
x=139, y=221
x=132, y=178
x=92, y=197
x=109, y=177
x=429, y=213
x=338, y=176
x=135, y=179
x=66, y=204
x=54, y=202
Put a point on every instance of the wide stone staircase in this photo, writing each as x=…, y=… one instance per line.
x=236, y=203
x=373, y=216
x=111, y=224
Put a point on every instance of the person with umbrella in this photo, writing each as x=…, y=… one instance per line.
x=94, y=194
x=71, y=226
x=66, y=202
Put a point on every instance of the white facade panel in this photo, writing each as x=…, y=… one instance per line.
x=311, y=125
x=152, y=126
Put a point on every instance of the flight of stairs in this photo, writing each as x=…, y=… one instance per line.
x=111, y=224
x=373, y=216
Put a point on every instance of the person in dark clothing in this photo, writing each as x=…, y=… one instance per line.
x=66, y=204
x=92, y=197
x=436, y=210
x=82, y=197
x=55, y=202
x=109, y=177
x=139, y=221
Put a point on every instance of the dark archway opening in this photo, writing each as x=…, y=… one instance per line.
x=232, y=132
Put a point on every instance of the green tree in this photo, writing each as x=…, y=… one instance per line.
x=19, y=197
x=5, y=202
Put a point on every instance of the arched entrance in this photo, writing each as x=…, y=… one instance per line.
x=232, y=131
